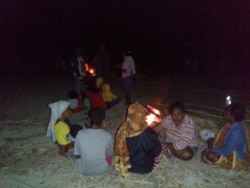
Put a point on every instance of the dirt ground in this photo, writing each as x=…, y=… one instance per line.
x=29, y=159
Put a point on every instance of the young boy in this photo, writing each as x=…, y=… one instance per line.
x=94, y=146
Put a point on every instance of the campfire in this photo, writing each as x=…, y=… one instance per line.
x=89, y=69
x=153, y=116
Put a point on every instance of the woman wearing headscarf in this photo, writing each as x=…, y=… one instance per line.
x=58, y=128
x=136, y=145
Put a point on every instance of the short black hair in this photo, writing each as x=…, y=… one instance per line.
x=74, y=129
x=237, y=110
x=96, y=116
x=178, y=105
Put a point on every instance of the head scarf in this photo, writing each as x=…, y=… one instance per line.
x=133, y=125
x=57, y=108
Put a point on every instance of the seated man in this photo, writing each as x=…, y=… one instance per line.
x=229, y=148
x=181, y=135
x=94, y=146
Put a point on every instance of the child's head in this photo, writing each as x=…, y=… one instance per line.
x=235, y=110
x=96, y=117
x=177, y=111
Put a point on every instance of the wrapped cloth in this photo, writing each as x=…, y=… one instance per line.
x=206, y=134
x=57, y=108
x=133, y=125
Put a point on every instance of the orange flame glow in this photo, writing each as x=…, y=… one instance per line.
x=153, y=116
x=89, y=69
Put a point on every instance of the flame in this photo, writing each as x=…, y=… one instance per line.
x=89, y=69
x=153, y=116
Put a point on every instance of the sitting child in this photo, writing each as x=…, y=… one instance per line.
x=109, y=98
x=95, y=96
x=137, y=147
x=58, y=127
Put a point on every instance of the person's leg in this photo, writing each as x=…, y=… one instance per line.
x=77, y=86
x=184, y=154
x=62, y=150
x=128, y=97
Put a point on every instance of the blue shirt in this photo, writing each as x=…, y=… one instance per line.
x=235, y=140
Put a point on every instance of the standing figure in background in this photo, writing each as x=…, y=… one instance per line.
x=102, y=63
x=77, y=63
x=130, y=58
x=127, y=76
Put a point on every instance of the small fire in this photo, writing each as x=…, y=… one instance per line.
x=89, y=69
x=153, y=116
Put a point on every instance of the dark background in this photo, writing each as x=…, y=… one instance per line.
x=34, y=33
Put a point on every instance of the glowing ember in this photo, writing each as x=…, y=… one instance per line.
x=153, y=116
x=89, y=69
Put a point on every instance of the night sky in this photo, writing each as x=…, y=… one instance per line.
x=156, y=31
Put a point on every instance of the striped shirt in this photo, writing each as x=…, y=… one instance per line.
x=184, y=135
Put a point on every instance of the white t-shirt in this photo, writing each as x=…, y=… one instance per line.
x=93, y=145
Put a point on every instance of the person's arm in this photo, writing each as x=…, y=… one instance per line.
x=110, y=148
x=76, y=146
x=232, y=138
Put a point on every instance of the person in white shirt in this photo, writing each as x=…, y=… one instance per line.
x=93, y=148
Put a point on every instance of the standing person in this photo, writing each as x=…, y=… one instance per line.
x=180, y=132
x=127, y=76
x=102, y=63
x=94, y=146
x=229, y=148
x=137, y=147
x=58, y=128
x=77, y=63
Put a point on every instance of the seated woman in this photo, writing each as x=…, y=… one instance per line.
x=229, y=148
x=94, y=95
x=109, y=98
x=181, y=134
x=136, y=145
x=58, y=127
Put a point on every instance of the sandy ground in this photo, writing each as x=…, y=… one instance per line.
x=29, y=159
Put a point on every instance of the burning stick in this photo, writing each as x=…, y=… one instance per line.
x=153, y=116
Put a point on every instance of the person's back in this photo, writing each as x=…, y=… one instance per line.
x=91, y=145
x=143, y=149
x=94, y=146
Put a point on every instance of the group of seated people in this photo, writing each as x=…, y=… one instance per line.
x=98, y=95
x=137, y=148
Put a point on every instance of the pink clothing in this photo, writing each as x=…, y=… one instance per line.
x=185, y=135
x=126, y=65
